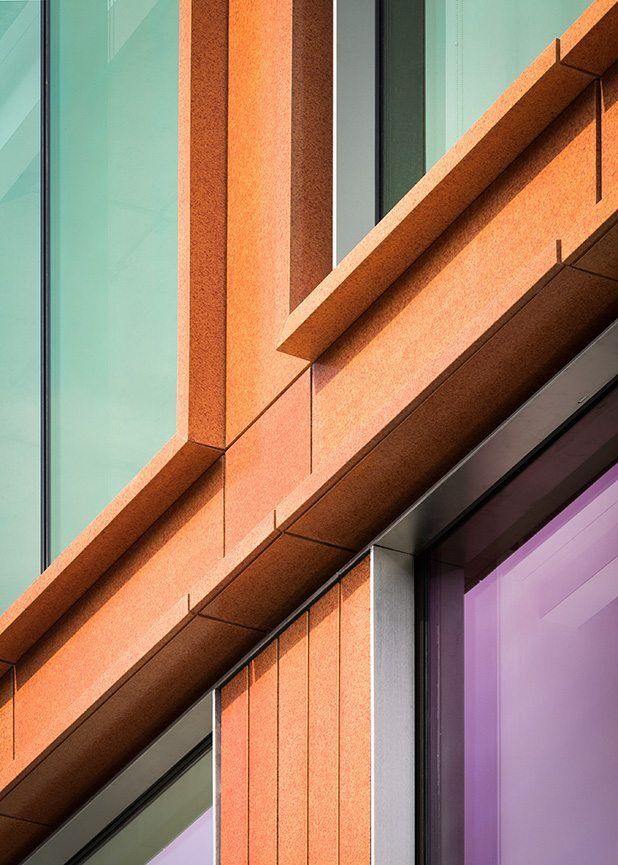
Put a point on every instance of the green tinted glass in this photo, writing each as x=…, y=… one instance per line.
x=19, y=289
x=439, y=66
x=114, y=133
x=474, y=49
x=176, y=827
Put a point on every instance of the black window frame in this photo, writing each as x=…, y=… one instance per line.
x=45, y=303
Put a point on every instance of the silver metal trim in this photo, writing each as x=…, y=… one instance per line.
x=392, y=707
x=216, y=768
x=131, y=783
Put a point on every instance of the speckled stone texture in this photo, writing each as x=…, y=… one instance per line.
x=296, y=739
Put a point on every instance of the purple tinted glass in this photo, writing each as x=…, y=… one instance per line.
x=192, y=847
x=541, y=695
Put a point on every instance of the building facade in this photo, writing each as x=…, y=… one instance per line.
x=309, y=432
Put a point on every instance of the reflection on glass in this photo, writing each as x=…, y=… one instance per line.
x=541, y=694
x=439, y=67
x=114, y=129
x=474, y=50
x=19, y=291
x=174, y=829
x=354, y=180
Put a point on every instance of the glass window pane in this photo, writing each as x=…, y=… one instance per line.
x=474, y=50
x=355, y=108
x=541, y=694
x=411, y=77
x=114, y=153
x=402, y=99
x=20, y=39
x=174, y=829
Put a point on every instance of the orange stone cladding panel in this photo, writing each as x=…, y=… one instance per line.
x=558, y=321
x=323, y=732
x=202, y=220
x=295, y=734
x=460, y=287
x=234, y=779
x=168, y=678
x=6, y=716
x=609, y=130
x=263, y=756
x=590, y=42
x=293, y=744
x=603, y=258
x=148, y=580
x=312, y=147
x=259, y=209
x=17, y=837
x=599, y=255
x=355, y=719
x=279, y=594
x=268, y=460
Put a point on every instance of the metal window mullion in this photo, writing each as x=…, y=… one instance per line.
x=45, y=373
x=216, y=770
x=393, y=722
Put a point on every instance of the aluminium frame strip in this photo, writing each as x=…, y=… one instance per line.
x=44, y=301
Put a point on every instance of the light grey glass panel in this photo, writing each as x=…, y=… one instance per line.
x=355, y=123
x=20, y=40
